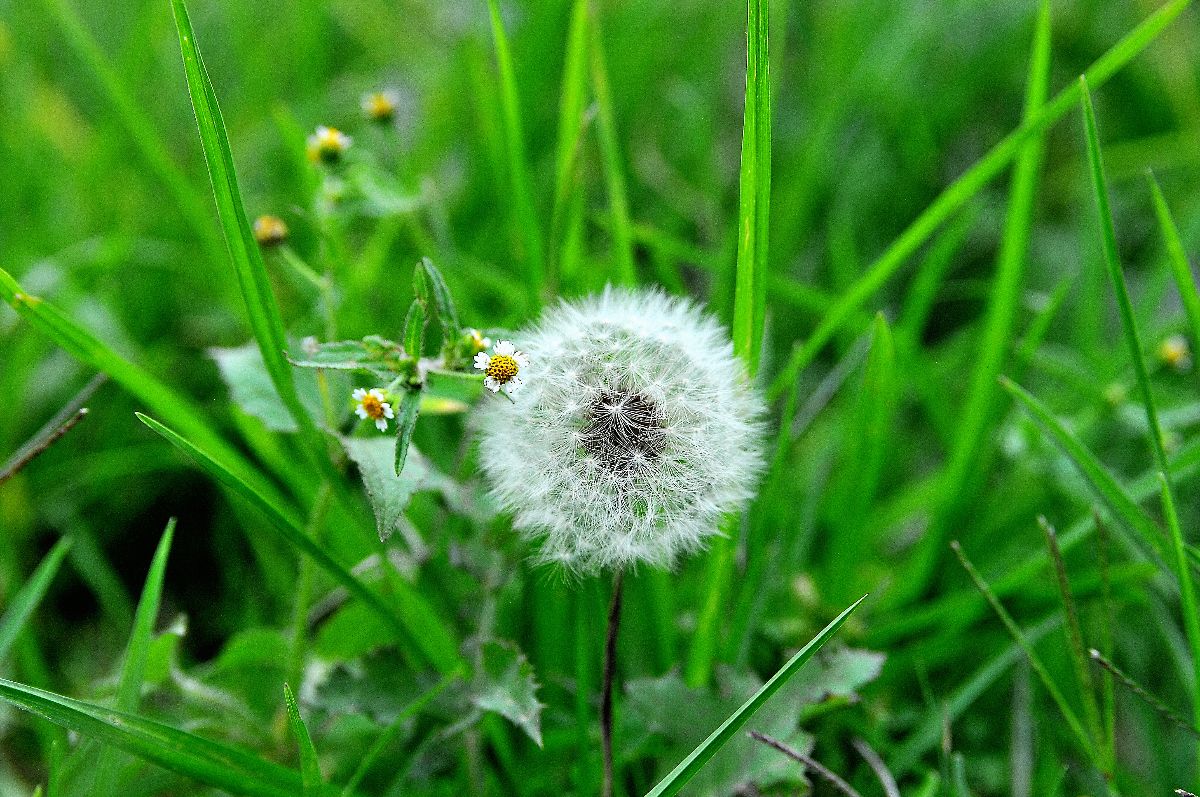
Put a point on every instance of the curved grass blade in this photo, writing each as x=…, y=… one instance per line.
x=571, y=123
x=966, y=187
x=29, y=596
x=410, y=623
x=310, y=769
x=688, y=768
x=1187, y=590
x=228, y=768
x=1106, y=487
x=1181, y=269
x=518, y=166
x=81, y=344
x=1108, y=238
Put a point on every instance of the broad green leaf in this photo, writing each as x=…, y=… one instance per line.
x=228, y=768
x=506, y=685
x=692, y=764
x=310, y=769
x=382, y=358
x=406, y=424
x=389, y=493
x=409, y=620
x=251, y=388
x=18, y=612
x=967, y=186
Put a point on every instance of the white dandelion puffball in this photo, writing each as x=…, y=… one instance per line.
x=635, y=434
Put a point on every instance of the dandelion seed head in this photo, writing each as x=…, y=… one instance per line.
x=636, y=434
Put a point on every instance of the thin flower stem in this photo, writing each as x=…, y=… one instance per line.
x=809, y=762
x=610, y=671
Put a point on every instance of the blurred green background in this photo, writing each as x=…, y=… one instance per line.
x=878, y=106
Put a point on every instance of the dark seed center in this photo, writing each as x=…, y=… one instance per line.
x=624, y=430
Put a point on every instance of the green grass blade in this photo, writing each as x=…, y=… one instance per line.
x=995, y=346
x=610, y=156
x=528, y=228
x=1187, y=591
x=137, y=652
x=410, y=622
x=261, y=308
x=235, y=771
x=18, y=612
x=1081, y=735
x=143, y=131
x=1108, y=238
x=750, y=291
x=310, y=769
x=966, y=187
x=1105, y=485
x=1181, y=269
x=571, y=124
x=687, y=768
x=81, y=344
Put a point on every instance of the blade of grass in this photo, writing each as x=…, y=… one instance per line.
x=310, y=769
x=411, y=621
x=1039, y=669
x=1148, y=697
x=749, y=303
x=966, y=187
x=1187, y=591
x=143, y=130
x=528, y=229
x=1106, y=487
x=1108, y=238
x=1108, y=621
x=233, y=770
x=687, y=769
x=30, y=595
x=158, y=396
x=1087, y=689
x=1181, y=269
x=137, y=652
x=995, y=345
x=571, y=124
x=610, y=155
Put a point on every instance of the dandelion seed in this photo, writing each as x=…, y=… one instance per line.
x=270, y=230
x=1175, y=352
x=501, y=368
x=380, y=106
x=637, y=433
x=327, y=145
x=373, y=405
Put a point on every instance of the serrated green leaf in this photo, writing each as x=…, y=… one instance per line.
x=390, y=494
x=251, y=388
x=505, y=684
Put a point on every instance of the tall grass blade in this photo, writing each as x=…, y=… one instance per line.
x=528, y=228
x=995, y=346
x=610, y=155
x=18, y=612
x=1108, y=239
x=1181, y=269
x=310, y=768
x=966, y=187
x=227, y=768
x=1187, y=593
x=571, y=123
x=695, y=760
x=410, y=619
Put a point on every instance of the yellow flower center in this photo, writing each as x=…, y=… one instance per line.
x=372, y=406
x=502, y=368
x=380, y=107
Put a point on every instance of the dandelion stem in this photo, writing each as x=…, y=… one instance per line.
x=610, y=670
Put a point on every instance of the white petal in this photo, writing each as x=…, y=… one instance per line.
x=387, y=411
x=491, y=384
x=482, y=360
x=358, y=394
x=381, y=425
x=522, y=359
x=360, y=412
x=513, y=385
x=377, y=393
x=506, y=348
x=486, y=342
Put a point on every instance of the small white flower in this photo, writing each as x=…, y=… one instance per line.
x=372, y=405
x=637, y=433
x=328, y=144
x=501, y=368
x=380, y=106
x=1175, y=352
